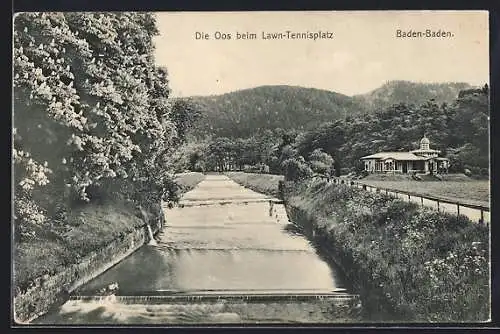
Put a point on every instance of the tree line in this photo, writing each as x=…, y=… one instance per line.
x=459, y=130
x=240, y=113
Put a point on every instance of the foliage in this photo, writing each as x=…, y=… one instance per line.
x=399, y=91
x=243, y=113
x=184, y=113
x=415, y=263
x=398, y=126
x=189, y=157
x=321, y=162
x=92, y=117
x=262, y=152
x=467, y=156
x=394, y=117
x=459, y=129
x=296, y=169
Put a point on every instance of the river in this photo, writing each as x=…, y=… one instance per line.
x=225, y=255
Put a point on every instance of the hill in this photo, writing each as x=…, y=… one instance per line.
x=399, y=91
x=242, y=113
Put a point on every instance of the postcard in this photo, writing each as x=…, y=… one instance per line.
x=251, y=168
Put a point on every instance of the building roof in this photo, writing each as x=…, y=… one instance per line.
x=425, y=151
x=411, y=156
x=394, y=156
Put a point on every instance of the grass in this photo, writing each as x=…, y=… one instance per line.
x=188, y=181
x=262, y=183
x=88, y=228
x=408, y=263
x=471, y=192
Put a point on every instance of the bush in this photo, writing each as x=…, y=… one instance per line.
x=345, y=171
x=81, y=123
x=319, y=167
x=321, y=162
x=37, y=258
x=415, y=263
x=296, y=169
x=475, y=170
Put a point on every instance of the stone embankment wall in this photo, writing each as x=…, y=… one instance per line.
x=51, y=291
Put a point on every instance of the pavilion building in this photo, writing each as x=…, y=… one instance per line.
x=423, y=160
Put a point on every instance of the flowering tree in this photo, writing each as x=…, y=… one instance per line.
x=320, y=162
x=91, y=111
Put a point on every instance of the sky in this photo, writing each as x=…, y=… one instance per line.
x=363, y=54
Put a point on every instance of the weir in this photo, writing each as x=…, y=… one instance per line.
x=215, y=296
x=152, y=241
x=226, y=254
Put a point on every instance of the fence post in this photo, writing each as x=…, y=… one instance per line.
x=482, y=217
x=281, y=190
x=458, y=209
x=163, y=217
x=437, y=201
x=422, y=200
x=409, y=198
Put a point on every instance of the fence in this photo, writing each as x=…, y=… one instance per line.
x=476, y=213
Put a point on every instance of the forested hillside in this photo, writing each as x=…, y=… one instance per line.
x=458, y=129
x=399, y=91
x=241, y=113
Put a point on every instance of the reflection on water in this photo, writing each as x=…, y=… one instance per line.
x=233, y=248
x=191, y=270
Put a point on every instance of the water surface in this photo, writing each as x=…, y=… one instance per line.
x=240, y=248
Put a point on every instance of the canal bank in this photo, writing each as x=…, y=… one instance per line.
x=221, y=257
x=51, y=291
x=376, y=307
x=408, y=263
x=101, y=236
